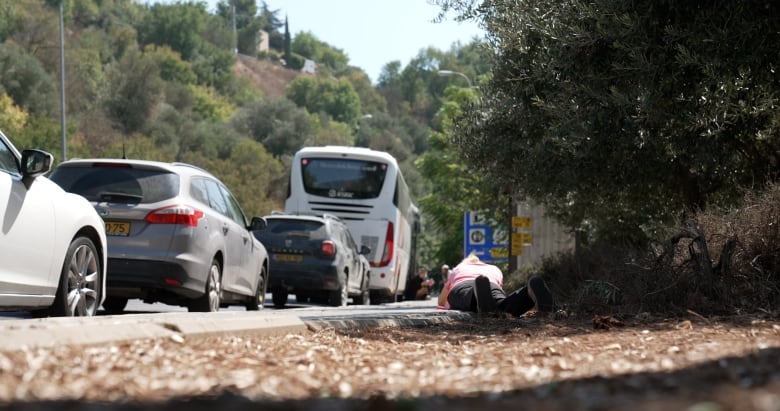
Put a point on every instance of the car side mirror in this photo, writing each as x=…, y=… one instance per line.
x=258, y=223
x=365, y=250
x=36, y=163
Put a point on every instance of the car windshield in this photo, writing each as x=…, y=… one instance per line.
x=111, y=183
x=302, y=229
x=343, y=178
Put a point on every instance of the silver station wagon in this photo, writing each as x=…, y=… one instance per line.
x=175, y=233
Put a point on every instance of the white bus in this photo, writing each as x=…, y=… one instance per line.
x=366, y=189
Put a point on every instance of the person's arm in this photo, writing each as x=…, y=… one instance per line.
x=445, y=291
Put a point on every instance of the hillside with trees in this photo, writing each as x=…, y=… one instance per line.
x=175, y=82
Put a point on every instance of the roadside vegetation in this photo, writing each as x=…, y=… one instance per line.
x=720, y=262
x=650, y=131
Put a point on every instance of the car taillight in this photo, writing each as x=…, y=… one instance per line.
x=179, y=214
x=328, y=249
x=387, y=253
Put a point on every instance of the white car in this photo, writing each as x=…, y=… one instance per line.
x=52, y=243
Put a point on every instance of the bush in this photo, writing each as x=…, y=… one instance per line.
x=718, y=262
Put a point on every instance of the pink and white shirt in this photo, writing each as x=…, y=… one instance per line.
x=467, y=270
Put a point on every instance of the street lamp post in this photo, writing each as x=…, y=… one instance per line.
x=450, y=73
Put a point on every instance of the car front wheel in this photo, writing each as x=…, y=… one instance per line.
x=258, y=301
x=209, y=301
x=78, y=293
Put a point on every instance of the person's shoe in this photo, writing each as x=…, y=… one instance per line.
x=541, y=295
x=485, y=301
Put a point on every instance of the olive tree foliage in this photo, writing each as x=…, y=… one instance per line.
x=177, y=25
x=622, y=116
x=26, y=81
x=309, y=46
x=250, y=173
x=131, y=90
x=276, y=122
x=337, y=98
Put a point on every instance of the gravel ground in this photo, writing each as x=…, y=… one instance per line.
x=541, y=363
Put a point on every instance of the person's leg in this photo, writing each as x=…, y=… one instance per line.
x=483, y=291
x=422, y=293
x=535, y=293
x=461, y=297
x=497, y=292
x=517, y=303
x=541, y=295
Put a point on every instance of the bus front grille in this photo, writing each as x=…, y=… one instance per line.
x=342, y=210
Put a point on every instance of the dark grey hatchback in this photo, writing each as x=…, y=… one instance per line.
x=315, y=258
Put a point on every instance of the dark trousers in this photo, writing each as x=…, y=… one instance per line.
x=461, y=297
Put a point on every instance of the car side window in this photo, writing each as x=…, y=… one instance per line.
x=232, y=203
x=343, y=237
x=216, y=200
x=198, y=190
x=7, y=159
x=350, y=241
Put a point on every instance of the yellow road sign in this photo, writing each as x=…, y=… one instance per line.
x=521, y=222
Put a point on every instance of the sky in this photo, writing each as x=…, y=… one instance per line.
x=371, y=33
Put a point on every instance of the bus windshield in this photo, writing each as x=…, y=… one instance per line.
x=343, y=178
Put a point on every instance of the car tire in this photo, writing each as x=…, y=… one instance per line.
x=257, y=302
x=365, y=294
x=209, y=301
x=302, y=297
x=78, y=293
x=320, y=297
x=279, y=297
x=115, y=305
x=338, y=298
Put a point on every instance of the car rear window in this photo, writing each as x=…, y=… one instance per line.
x=118, y=184
x=312, y=230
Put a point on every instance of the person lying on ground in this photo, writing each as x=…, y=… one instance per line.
x=476, y=286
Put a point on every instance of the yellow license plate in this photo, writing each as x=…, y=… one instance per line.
x=289, y=258
x=117, y=228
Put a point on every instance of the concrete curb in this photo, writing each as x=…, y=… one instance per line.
x=53, y=332
x=27, y=334
x=409, y=320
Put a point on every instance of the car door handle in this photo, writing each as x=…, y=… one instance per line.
x=246, y=239
x=225, y=229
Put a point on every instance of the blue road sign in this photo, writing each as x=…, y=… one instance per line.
x=486, y=238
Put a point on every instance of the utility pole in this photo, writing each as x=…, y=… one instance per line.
x=62, y=83
x=235, y=31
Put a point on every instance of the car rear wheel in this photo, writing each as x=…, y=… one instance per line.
x=258, y=301
x=78, y=294
x=338, y=298
x=115, y=305
x=365, y=294
x=209, y=301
